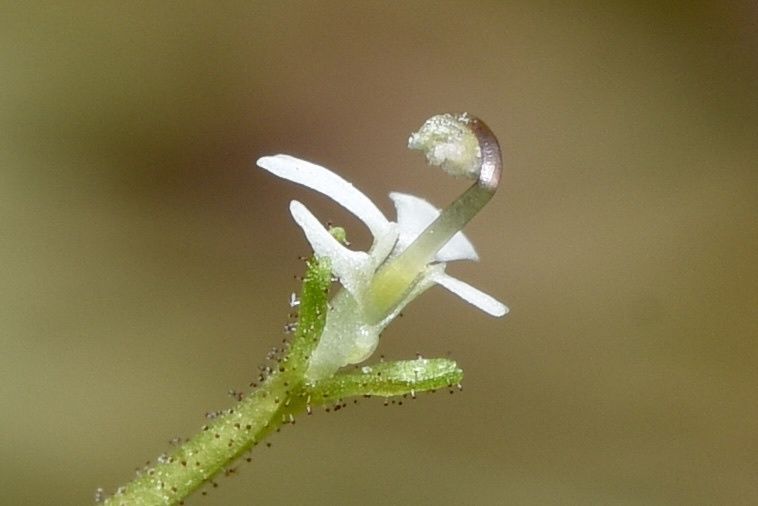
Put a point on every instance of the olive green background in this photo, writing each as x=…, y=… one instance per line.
x=146, y=265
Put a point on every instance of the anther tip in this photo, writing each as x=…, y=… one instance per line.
x=449, y=142
x=462, y=145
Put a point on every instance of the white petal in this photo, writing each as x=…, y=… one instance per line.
x=353, y=268
x=328, y=183
x=414, y=214
x=471, y=295
x=383, y=245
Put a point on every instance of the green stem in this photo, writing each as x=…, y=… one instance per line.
x=275, y=402
x=272, y=404
x=213, y=449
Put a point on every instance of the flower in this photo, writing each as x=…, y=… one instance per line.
x=406, y=258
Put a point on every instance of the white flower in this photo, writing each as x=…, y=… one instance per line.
x=400, y=265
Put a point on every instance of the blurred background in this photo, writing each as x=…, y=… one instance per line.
x=146, y=264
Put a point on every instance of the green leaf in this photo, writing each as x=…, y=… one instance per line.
x=388, y=379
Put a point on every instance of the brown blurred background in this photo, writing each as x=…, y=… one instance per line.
x=146, y=264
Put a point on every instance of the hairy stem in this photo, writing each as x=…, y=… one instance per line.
x=213, y=449
x=275, y=402
x=237, y=430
